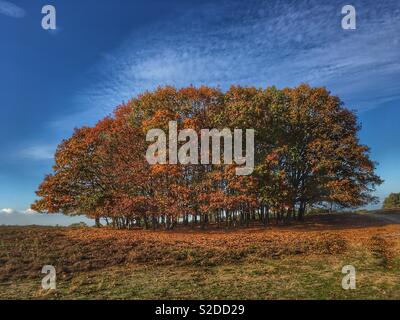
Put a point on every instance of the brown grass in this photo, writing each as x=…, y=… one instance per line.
x=24, y=250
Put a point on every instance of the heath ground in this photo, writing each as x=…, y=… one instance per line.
x=296, y=261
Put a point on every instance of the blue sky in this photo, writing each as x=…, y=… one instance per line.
x=106, y=51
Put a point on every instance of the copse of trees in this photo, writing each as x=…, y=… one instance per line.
x=307, y=153
x=392, y=201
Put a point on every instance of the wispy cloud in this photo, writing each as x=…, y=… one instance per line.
x=7, y=211
x=258, y=43
x=10, y=211
x=29, y=211
x=11, y=10
x=39, y=152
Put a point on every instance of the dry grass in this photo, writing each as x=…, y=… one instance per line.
x=382, y=250
x=299, y=257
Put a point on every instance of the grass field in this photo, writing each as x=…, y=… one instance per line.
x=300, y=261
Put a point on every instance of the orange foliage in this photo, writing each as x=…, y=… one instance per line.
x=307, y=154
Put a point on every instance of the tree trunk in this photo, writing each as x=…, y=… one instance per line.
x=302, y=209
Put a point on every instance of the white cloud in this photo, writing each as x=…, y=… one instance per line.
x=39, y=152
x=13, y=217
x=29, y=211
x=8, y=211
x=11, y=10
x=257, y=43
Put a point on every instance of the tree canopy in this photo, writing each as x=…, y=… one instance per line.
x=392, y=201
x=307, y=153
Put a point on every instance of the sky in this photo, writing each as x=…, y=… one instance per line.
x=104, y=52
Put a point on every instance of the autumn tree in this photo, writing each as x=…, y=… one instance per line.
x=306, y=153
x=315, y=155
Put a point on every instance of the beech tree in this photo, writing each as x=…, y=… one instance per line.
x=307, y=153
